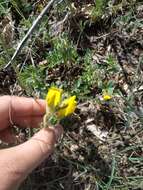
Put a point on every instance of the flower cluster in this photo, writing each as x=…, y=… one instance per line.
x=58, y=107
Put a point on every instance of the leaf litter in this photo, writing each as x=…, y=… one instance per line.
x=102, y=146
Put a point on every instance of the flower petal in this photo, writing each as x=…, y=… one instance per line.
x=68, y=107
x=53, y=97
x=106, y=97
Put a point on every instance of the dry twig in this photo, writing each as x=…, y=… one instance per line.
x=30, y=31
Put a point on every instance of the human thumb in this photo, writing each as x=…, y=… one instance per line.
x=17, y=162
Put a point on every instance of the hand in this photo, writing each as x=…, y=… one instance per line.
x=17, y=162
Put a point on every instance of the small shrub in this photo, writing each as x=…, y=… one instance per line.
x=63, y=52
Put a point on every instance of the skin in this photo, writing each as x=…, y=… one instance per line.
x=17, y=162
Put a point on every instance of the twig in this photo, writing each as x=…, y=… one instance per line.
x=30, y=31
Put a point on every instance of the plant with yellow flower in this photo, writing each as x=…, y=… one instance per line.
x=56, y=107
x=106, y=97
x=107, y=94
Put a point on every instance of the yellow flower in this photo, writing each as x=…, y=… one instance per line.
x=106, y=97
x=67, y=107
x=53, y=97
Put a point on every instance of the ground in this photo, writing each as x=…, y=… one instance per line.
x=90, y=49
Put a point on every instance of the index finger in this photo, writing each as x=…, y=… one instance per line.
x=26, y=112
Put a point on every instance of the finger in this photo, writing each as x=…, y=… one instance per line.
x=16, y=109
x=17, y=162
x=30, y=121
